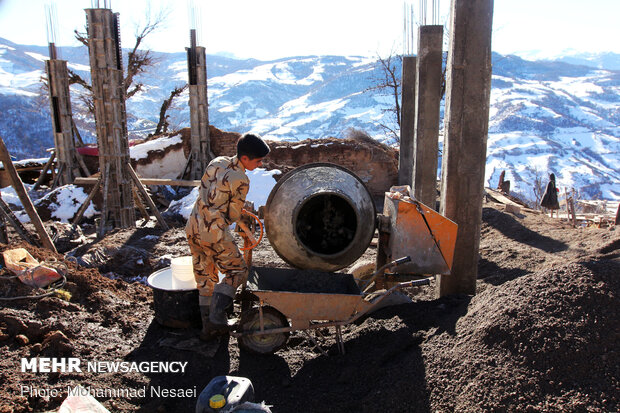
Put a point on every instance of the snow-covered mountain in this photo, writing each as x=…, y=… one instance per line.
x=546, y=116
x=599, y=60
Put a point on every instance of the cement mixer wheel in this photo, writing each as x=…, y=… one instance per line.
x=263, y=344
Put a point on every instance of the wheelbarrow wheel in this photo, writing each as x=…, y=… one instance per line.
x=266, y=343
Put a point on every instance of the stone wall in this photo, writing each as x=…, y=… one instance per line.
x=376, y=164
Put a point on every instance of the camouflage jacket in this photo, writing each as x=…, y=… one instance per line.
x=221, y=197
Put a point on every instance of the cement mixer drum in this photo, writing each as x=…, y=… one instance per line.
x=320, y=216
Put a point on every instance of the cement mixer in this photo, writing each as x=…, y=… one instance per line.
x=322, y=217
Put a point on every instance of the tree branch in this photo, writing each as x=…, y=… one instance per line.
x=75, y=79
x=162, y=125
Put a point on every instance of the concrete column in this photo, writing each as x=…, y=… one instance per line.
x=60, y=109
x=428, y=98
x=468, y=88
x=200, y=154
x=407, y=120
x=106, y=70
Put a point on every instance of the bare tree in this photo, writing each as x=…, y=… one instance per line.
x=138, y=60
x=390, y=83
x=163, y=124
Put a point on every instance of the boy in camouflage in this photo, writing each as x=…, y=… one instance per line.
x=222, y=193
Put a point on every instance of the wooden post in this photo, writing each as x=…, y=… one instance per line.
x=468, y=93
x=200, y=153
x=18, y=185
x=572, y=207
x=567, y=199
x=110, y=116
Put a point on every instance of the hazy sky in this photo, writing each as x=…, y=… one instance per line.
x=267, y=29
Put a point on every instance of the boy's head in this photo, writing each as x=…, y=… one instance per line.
x=251, y=149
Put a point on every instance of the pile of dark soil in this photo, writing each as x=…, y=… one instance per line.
x=539, y=335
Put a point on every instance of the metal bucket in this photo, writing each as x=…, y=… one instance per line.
x=320, y=216
x=174, y=307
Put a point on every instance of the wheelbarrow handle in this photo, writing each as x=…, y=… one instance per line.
x=399, y=261
x=380, y=270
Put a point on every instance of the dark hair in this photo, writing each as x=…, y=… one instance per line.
x=252, y=146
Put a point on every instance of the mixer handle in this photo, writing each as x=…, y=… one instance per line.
x=262, y=232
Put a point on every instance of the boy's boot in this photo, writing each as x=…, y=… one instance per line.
x=204, y=302
x=222, y=299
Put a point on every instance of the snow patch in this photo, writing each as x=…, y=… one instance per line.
x=68, y=199
x=261, y=184
x=141, y=150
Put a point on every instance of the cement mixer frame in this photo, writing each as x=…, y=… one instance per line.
x=293, y=216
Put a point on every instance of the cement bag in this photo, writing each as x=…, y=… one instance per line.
x=80, y=401
x=29, y=270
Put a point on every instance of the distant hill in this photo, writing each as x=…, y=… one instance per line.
x=546, y=116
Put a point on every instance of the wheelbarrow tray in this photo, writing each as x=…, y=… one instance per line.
x=304, y=295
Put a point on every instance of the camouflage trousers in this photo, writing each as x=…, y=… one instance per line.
x=209, y=258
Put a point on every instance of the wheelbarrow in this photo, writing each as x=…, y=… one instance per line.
x=309, y=299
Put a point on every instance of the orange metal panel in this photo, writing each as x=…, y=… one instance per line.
x=431, y=251
x=444, y=231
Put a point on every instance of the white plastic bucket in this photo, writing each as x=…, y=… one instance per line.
x=182, y=273
x=174, y=307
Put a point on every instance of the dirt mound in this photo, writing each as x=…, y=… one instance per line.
x=534, y=343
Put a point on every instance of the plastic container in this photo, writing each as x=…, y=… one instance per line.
x=235, y=391
x=182, y=273
x=174, y=307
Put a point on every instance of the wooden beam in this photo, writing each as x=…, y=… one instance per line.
x=80, y=213
x=138, y=201
x=8, y=215
x=146, y=197
x=4, y=237
x=18, y=185
x=103, y=220
x=145, y=181
x=44, y=171
x=82, y=163
x=57, y=179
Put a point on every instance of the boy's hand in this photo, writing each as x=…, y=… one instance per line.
x=248, y=233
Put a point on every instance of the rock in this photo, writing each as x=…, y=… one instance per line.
x=57, y=342
x=22, y=339
x=512, y=209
